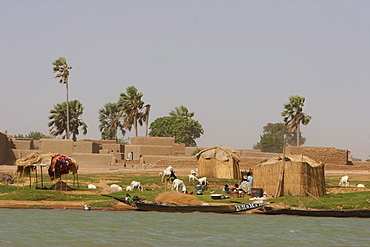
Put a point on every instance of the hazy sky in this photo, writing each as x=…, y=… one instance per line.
x=233, y=63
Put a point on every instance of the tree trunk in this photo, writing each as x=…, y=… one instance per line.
x=67, y=131
x=135, y=125
x=298, y=132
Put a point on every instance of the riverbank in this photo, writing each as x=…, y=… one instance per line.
x=103, y=182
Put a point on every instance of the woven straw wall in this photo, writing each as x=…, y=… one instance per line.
x=300, y=178
x=217, y=169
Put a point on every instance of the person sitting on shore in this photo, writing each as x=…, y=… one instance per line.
x=226, y=189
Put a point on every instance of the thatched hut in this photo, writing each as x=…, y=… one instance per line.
x=218, y=162
x=293, y=175
x=56, y=164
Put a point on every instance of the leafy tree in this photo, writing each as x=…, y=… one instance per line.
x=61, y=66
x=273, y=143
x=131, y=106
x=293, y=115
x=35, y=135
x=272, y=139
x=110, y=122
x=181, y=111
x=58, y=117
x=183, y=129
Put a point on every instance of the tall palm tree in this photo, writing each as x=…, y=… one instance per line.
x=293, y=114
x=130, y=105
x=58, y=117
x=181, y=111
x=145, y=118
x=110, y=121
x=61, y=66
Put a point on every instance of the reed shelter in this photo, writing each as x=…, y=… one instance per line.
x=295, y=175
x=56, y=165
x=218, y=162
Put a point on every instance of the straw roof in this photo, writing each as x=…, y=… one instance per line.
x=220, y=153
x=293, y=158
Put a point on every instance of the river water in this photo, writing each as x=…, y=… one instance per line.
x=40, y=227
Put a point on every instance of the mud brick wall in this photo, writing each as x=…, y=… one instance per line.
x=62, y=146
x=138, y=150
x=326, y=155
x=3, y=145
x=180, y=148
x=23, y=144
x=113, y=148
x=153, y=141
x=86, y=147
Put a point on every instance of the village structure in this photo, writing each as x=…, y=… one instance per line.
x=300, y=171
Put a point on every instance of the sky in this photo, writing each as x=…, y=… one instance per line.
x=233, y=63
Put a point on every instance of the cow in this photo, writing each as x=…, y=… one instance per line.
x=6, y=178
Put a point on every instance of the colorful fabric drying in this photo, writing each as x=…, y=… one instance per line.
x=59, y=165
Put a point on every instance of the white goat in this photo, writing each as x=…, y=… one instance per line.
x=192, y=172
x=203, y=180
x=344, y=181
x=179, y=184
x=192, y=177
x=135, y=185
x=116, y=187
x=360, y=186
x=168, y=172
x=91, y=187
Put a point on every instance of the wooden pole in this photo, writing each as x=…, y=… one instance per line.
x=36, y=180
x=42, y=179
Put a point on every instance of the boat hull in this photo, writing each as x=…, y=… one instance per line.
x=172, y=207
x=356, y=213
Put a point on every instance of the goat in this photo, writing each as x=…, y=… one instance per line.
x=203, y=180
x=91, y=187
x=168, y=172
x=192, y=177
x=6, y=178
x=178, y=184
x=360, y=186
x=136, y=185
x=116, y=187
x=344, y=180
x=192, y=172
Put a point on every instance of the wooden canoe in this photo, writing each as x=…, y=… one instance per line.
x=175, y=207
x=355, y=213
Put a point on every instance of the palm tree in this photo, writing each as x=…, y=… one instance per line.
x=293, y=115
x=109, y=118
x=181, y=111
x=58, y=125
x=130, y=105
x=61, y=66
x=145, y=117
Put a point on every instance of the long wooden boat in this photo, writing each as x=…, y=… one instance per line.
x=175, y=207
x=355, y=213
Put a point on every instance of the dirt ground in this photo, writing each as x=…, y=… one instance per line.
x=359, y=175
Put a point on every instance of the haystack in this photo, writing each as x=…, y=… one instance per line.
x=295, y=175
x=218, y=162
